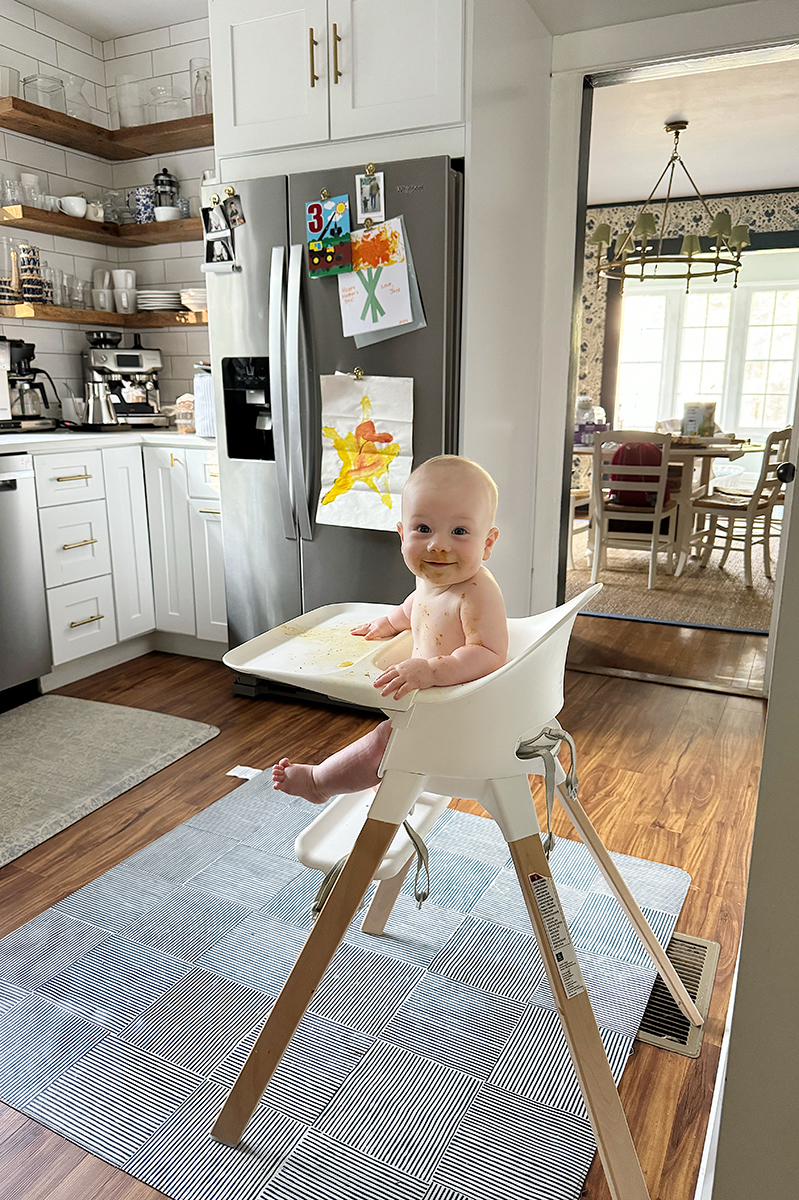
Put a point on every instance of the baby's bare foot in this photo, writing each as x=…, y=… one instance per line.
x=297, y=779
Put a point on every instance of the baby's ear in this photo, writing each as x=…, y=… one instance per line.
x=400, y=532
x=491, y=539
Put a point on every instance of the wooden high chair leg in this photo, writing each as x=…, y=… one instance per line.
x=614, y=1142
x=384, y=899
x=394, y=799
x=596, y=848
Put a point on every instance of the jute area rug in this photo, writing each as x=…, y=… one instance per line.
x=429, y=1066
x=61, y=758
x=709, y=595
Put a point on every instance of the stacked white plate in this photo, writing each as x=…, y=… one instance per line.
x=195, y=298
x=158, y=300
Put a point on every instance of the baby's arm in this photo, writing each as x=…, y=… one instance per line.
x=394, y=622
x=485, y=630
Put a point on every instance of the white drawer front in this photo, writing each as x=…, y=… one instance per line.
x=203, y=474
x=81, y=618
x=74, y=542
x=69, y=477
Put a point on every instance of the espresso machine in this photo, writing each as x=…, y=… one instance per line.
x=23, y=395
x=128, y=378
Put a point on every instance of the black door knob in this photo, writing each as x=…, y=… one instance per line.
x=786, y=472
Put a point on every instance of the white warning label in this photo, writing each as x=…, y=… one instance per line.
x=546, y=899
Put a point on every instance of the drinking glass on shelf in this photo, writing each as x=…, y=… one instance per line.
x=81, y=294
x=60, y=297
x=9, y=81
x=45, y=90
x=132, y=100
x=13, y=192
x=47, y=284
x=200, y=86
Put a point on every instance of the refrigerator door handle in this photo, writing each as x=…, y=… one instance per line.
x=293, y=383
x=277, y=317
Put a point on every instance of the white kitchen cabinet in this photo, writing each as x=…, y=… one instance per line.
x=75, y=542
x=209, y=570
x=170, y=537
x=400, y=66
x=81, y=618
x=65, y=478
x=291, y=74
x=202, y=467
x=129, y=541
x=270, y=80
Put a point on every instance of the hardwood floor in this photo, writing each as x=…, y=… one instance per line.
x=720, y=659
x=666, y=773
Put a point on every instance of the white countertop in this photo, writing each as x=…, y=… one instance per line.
x=61, y=439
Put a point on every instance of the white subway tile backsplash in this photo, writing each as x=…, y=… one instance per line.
x=89, y=170
x=20, y=62
x=188, y=31
x=97, y=49
x=176, y=58
x=147, y=253
x=79, y=63
x=168, y=341
x=49, y=340
x=20, y=13
x=197, y=343
x=149, y=273
x=27, y=41
x=138, y=65
x=28, y=152
x=181, y=270
x=136, y=43
x=63, y=33
x=74, y=340
x=100, y=118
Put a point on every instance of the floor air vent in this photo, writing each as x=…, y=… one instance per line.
x=695, y=960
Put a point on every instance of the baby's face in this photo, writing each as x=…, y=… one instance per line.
x=446, y=528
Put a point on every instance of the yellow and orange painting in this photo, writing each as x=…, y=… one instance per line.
x=365, y=455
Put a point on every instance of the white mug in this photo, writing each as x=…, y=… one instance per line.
x=94, y=211
x=101, y=278
x=125, y=299
x=31, y=181
x=124, y=279
x=103, y=299
x=73, y=206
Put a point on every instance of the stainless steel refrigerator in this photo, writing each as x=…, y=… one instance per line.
x=273, y=332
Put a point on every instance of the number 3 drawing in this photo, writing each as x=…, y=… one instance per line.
x=315, y=218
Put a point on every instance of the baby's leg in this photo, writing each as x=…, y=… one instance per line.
x=352, y=769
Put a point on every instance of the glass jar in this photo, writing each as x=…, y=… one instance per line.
x=169, y=104
x=46, y=91
x=77, y=104
x=184, y=413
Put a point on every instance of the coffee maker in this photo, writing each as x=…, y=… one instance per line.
x=23, y=396
x=128, y=378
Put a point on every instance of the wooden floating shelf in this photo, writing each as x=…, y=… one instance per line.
x=118, y=145
x=154, y=233
x=91, y=316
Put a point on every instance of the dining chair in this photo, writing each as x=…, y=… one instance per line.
x=578, y=497
x=754, y=510
x=621, y=523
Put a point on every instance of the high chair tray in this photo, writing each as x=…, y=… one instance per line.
x=316, y=651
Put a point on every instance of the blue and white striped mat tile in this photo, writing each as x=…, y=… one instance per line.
x=429, y=1066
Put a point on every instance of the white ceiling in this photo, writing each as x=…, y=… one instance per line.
x=743, y=132
x=105, y=19
x=570, y=16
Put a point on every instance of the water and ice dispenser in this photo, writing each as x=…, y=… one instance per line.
x=248, y=408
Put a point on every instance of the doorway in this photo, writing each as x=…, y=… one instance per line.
x=645, y=354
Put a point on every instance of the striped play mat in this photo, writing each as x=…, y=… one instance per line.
x=430, y=1065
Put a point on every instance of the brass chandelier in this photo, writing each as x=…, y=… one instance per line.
x=638, y=253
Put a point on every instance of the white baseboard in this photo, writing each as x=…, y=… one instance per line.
x=122, y=652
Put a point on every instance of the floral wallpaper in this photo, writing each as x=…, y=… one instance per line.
x=763, y=212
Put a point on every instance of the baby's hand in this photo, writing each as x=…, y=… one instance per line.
x=405, y=677
x=373, y=630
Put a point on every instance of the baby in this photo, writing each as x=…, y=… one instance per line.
x=455, y=613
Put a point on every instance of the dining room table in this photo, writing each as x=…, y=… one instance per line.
x=695, y=456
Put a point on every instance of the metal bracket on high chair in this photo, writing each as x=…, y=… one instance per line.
x=545, y=750
x=420, y=891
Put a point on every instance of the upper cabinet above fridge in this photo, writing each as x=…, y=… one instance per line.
x=292, y=72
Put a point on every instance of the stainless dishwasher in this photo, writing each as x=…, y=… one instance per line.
x=24, y=633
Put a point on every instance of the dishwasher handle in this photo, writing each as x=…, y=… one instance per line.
x=11, y=477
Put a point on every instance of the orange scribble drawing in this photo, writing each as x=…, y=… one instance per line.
x=377, y=247
x=362, y=457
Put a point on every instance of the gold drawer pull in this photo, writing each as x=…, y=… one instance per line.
x=74, y=545
x=67, y=478
x=213, y=474
x=86, y=621
x=213, y=511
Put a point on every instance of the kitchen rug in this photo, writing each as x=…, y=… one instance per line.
x=429, y=1066
x=61, y=758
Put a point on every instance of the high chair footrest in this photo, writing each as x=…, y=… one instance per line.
x=332, y=834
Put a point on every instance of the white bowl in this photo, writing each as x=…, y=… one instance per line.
x=167, y=213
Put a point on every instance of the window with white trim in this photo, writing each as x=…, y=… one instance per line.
x=736, y=346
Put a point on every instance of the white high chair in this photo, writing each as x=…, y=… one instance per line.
x=465, y=741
